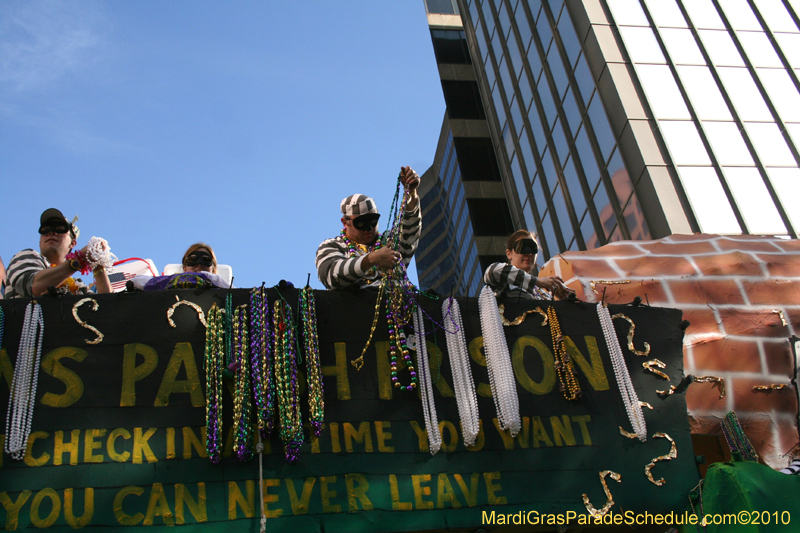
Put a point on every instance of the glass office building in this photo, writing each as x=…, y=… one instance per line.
x=636, y=119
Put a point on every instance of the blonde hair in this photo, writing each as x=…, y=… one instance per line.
x=201, y=246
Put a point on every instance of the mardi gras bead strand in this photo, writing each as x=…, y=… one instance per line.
x=242, y=428
x=261, y=361
x=213, y=358
x=498, y=362
x=426, y=388
x=22, y=399
x=286, y=381
x=316, y=393
x=462, y=373
x=228, y=321
x=736, y=438
x=2, y=325
x=399, y=348
x=629, y=397
x=570, y=387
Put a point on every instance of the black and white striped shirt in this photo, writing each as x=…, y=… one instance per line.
x=505, y=278
x=21, y=270
x=337, y=270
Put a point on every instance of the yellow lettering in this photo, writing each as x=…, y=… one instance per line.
x=6, y=368
x=73, y=383
x=419, y=491
x=491, y=489
x=13, y=507
x=123, y=518
x=89, y=445
x=196, y=507
x=336, y=446
x=182, y=355
x=339, y=371
x=190, y=441
x=142, y=447
x=471, y=493
x=422, y=436
x=132, y=373
x=452, y=433
x=445, y=493
x=271, y=498
x=383, y=436
x=158, y=506
x=397, y=505
x=88, y=508
x=522, y=436
x=327, y=495
x=595, y=372
x=475, y=347
x=60, y=447
x=435, y=361
x=236, y=498
x=363, y=435
x=582, y=420
x=29, y=459
x=540, y=433
x=112, y=451
x=357, y=486
x=55, y=509
x=548, y=368
x=562, y=431
x=300, y=506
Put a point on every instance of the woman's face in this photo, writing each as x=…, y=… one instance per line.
x=199, y=261
x=523, y=261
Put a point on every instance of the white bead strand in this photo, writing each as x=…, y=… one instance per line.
x=425, y=385
x=462, y=373
x=498, y=363
x=629, y=396
x=22, y=396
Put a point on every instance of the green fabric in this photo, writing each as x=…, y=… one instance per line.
x=745, y=491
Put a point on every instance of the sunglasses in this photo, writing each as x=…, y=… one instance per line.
x=201, y=258
x=53, y=227
x=525, y=246
x=366, y=222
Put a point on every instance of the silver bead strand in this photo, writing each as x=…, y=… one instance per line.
x=462, y=373
x=425, y=385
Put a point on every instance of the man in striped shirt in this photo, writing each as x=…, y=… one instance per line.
x=30, y=273
x=355, y=257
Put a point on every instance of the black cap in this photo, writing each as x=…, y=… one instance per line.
x=55, y=214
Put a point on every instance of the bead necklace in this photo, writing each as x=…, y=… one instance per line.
x=242, y=429
x=286, y=381
x=736, y=438
x=22, y=399
x=570, y=387
x=2, y=325
x=316, y=393
x=397, y=318
x=629, y=397
x=462, y=373
x=426, y=388
x=355, y=249
x=261, y=361
x=498, y=363
x=214, y=354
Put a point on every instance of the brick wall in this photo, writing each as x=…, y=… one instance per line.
x=742, y=297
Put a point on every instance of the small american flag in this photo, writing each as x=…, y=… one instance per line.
x=118, y=280
x=126, y=269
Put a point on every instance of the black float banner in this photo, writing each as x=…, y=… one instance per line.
x=118, y=433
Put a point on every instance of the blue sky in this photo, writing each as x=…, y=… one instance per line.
x=241, y=124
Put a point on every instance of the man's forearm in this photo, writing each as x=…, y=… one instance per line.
x=51, y=277
x=102, y=281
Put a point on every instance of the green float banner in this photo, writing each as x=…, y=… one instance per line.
x=118, y=432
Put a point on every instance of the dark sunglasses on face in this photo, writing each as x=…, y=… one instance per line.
x=201, y=258
x=366, y=222
x=526, y=246
x=53, y=227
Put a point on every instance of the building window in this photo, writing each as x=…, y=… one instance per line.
x=463, y=99
x=441, y=7
x=490, y=217
x=450, y=46
x=476, y=159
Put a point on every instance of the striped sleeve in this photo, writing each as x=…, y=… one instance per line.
x=334, y=269
x=21, y=270
x=412, y=227
x=500, y=275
